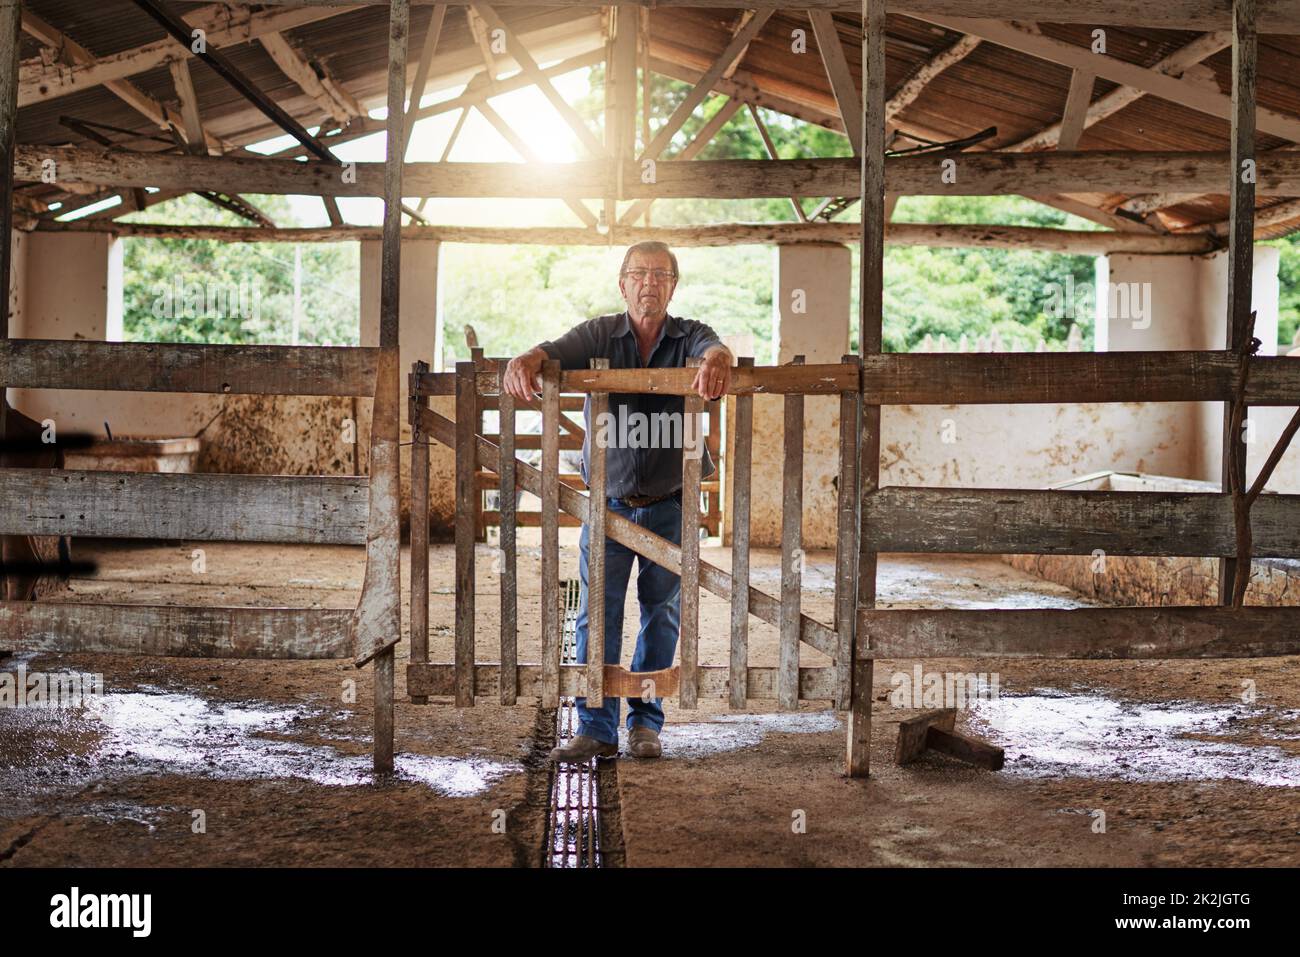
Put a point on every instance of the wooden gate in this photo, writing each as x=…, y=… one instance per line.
x=478, y=384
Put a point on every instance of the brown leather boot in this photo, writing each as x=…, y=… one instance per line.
x=643, y=742
x=582, y=748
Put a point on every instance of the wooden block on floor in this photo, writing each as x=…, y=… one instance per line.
x=936, y=730
x=912, y=732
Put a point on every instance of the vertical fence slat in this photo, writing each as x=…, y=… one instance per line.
x=692, y=446
x=551, y=620
x=741, y=487
x=596, y=549
x=419, y=532
x=509, y=681
x=480, y=526
x=787, y=676
x=846, y=542
x=466, y=462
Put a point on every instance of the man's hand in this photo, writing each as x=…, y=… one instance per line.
x=523, y=377
x=714, y=376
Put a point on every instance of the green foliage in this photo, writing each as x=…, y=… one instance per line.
x=1288, y=307
x=198, y=290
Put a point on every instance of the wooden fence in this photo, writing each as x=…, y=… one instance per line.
x=478, y=384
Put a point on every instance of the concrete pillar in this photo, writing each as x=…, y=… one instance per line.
x=71, y=288
x=811, y=289
x=418, y=339
x=1181, y=302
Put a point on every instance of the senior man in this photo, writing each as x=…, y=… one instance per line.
x=643, y=483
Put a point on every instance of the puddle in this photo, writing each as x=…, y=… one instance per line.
x=731, y=732
x=151, y=731
x=1061, y=734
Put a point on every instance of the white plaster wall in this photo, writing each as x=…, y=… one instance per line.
x=66, y=285
x=418, y=339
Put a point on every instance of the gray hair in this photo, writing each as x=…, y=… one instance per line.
x=649, y=246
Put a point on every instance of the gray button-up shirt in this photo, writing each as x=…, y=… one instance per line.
x=643, y=469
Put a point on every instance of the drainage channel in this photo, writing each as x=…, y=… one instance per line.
x=580, y=792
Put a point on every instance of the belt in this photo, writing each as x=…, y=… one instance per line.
x=641, y=501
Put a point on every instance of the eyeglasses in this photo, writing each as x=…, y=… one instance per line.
x=659, y=275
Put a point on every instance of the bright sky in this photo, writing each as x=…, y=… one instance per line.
x=526, y=111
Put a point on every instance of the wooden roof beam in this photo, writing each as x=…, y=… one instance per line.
x=223, y=26
x=837, y=71
x=529, y=66
x=1202, y=48
x=980, y=174
x=334, y=101
x=1278, y=16
x=959, y=235
x=160, y=114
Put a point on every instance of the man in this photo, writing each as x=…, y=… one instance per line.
x=644, y=479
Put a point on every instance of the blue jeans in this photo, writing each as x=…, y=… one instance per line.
x=659, y=592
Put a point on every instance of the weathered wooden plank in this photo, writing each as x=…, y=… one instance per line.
x=815, y=684
x=377, y=624
x=947, y=235
x=466, y=422
x=791, y=549
x=641, y=540
x=549, y=489
x=1063, y=377
x=741, y=492
x=1170, y=632
x=193, y=632
x=965, y=748
x=1280, y=16
x=689, y=609
x=1076, y=109
x=846, y=542
x=175, y=367
x=419, y=529
x=823, y=379
x=507, y=522
x=323, y=510
x=596, y=551
x=912, y=733
x=871, y=279
x=978, y=174
x=1071, y=522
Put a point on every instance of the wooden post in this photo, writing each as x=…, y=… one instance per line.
x=419, y=531
x=846, y=543
x=692, y=453
x=871, y=306
x=509, y=680
x=384, y=561
x=741, y=487
x=787, y=675
x=551, y=619
x=596, y=548
x=466, y=466
x=1241, y=243
x=10, y=16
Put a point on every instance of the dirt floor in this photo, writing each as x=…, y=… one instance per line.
x=191, y=762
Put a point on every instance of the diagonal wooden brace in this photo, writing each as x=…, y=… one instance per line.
x=641, y=540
